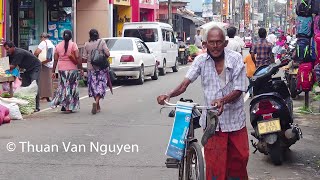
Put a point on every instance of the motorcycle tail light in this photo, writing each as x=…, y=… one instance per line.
x=266, y=107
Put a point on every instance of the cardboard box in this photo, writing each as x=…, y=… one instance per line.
x=176, y=145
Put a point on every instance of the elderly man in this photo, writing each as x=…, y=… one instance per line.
x=223, y=79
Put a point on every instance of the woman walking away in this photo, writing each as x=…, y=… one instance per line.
x=47, y=48
x=97, y=77
x=67, y=59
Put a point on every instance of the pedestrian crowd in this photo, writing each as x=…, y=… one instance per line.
x=63, y=61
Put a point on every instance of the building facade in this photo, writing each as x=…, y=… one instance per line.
x=27, y=19
x=144, y=10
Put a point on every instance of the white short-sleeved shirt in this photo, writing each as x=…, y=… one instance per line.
x=233, y=117
x=234, y=45
x=43, y=45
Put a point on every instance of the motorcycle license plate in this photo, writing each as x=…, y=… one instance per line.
x=110, y=60
x=269, y=126
x=181, y=49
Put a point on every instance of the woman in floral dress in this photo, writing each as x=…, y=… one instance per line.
x=66, y=57
x=98, y=79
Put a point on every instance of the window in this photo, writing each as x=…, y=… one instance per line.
x=146, y=35
x=140, y=47
x=168, y=36
x=145, y=47
x=173, y=38
x=163, y=34
x=119, y=44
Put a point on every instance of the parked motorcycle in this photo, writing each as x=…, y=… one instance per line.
x=291, y=72
x=271, y=113
x=183, y=53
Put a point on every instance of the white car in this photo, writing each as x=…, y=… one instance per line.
x=130, y=58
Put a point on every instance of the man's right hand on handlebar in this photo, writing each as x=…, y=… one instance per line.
x=163, y=98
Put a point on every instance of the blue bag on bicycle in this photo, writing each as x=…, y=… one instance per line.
x=176, y=145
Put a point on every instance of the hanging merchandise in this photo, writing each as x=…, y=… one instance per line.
x=304, y=26
x=313, y=53
x=317, y=47
x=306, y=77
x=315, y=6
x=316, y=24
x=304, y=8
x=302, y=50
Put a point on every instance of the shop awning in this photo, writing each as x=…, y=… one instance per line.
x=195, y=20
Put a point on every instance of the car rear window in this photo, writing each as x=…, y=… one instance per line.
x=119, y=44
x=146, y=35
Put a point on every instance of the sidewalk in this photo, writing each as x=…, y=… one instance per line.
x=310, y=125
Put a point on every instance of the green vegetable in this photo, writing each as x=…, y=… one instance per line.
x=30, y=107
x=193, y=49
x=5, y=95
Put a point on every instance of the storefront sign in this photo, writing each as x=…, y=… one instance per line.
x=247, y=14
x=149, y=2
x=225, y=7
x=122, y=2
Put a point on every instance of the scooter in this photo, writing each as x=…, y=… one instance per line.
x=271, y=113
x=291, y=72
x=182, y=54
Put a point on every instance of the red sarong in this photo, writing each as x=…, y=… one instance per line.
x=226, y=155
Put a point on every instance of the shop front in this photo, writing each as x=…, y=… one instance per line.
x=121, y=13
x=147, y=10
x=32, y=17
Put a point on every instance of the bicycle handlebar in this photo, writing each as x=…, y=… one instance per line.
x=197, y=107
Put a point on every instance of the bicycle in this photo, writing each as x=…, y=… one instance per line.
x=191, y=166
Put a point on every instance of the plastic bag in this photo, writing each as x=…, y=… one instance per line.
x=16, y=85
x=30, y=90
x=14, y=111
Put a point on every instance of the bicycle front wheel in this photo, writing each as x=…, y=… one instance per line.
x=195, y=165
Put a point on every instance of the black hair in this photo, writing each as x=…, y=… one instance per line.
x=67, y=35
x=262, y=33
x=94, y=35
x=231, y=32
x=10, y=44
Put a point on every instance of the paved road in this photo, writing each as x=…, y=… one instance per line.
x=130, y=118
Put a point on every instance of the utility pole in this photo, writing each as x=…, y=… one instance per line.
x=170, y=12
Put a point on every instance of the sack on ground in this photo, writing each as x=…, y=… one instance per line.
x=4, y=114
x=14, y=100
x=14, y=111
x=30, y=90
x=306, y=77
x=30, y=107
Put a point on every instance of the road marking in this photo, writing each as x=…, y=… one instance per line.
x=84, y=97
x=183, y=67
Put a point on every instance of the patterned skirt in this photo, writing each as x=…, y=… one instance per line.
x=67, y=94
x=97, y=83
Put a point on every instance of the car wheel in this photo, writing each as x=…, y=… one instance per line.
x=155, y=74
x=175, y=68
x=163, y=71
x=140, y=80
